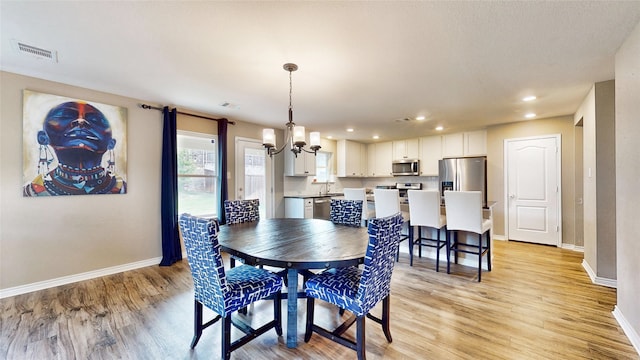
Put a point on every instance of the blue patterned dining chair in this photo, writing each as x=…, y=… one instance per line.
x=346, y=212
x=241, y=211
x=222, y=291
x=358, y=290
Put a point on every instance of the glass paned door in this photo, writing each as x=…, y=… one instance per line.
x=253, y=174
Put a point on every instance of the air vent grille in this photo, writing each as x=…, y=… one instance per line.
x=40, y=53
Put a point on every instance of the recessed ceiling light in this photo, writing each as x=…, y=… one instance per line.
x=349, y=130
x=529, y=98
x=530, y=115
x=329, y=137
x=439, y=128
x=376, y=137
x=420, y=118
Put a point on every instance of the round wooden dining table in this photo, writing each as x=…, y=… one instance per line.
x=295, y=245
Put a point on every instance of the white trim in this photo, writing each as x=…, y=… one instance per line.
x=499, y=237
x=41, y=285
x=633, y=336
x=612, y=283
x=573, y=247
x=505, y=152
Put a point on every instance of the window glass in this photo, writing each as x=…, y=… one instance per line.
x=197, y=174
x=322, y=166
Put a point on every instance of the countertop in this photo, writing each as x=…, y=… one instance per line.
x=313, y=196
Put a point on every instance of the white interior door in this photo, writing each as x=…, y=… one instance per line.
x=533, y=189
x=253, y=174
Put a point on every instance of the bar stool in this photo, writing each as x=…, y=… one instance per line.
x=464, y=213
x=360, y=194
x=424, y=209
x=387, y=203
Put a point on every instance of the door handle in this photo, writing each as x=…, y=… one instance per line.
x=512, y=196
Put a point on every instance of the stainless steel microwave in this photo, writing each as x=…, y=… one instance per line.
x=405, y=167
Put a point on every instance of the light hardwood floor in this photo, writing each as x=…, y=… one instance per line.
x=537, y=303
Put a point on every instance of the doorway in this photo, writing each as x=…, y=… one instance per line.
x=253, y=174
x=533, y=189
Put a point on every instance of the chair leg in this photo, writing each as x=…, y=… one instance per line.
x=197, y=322
x=410, y=242
x=488, y=250
x=226, y=337
x=419, y=241
x=309, y=328
x=360, y=339
x=479, y=257
x=385, y=318
x=232, y=262
x=277, y=312
x=438, y=252
x=448, y=247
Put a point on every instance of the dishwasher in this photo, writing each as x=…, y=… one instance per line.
x=321, y=207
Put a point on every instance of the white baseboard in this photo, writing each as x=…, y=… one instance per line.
x=573, y=247
x=612, y=283
x=499, y=237
x=41, y=285
x=633, y=336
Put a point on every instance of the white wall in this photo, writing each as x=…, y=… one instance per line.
x=597, y=114
x=627, y=194
x=587, y=113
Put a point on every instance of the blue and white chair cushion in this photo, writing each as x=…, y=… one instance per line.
x=359, y=290
x=240, y=211
x=346, y=212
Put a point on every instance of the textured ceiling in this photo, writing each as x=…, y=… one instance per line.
x=463, y=65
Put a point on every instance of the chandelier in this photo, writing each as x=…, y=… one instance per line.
x=294, y=135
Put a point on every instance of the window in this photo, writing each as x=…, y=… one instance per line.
x=323, y=173
x=197, y=174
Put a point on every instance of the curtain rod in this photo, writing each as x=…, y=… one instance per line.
x=145, y=106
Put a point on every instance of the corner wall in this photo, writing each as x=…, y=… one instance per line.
x=597, y=114
x=627, y=89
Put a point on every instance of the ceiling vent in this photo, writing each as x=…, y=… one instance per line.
x=229, y=105
x=36, y=52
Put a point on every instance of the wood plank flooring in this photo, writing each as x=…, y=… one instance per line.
x=537, y=303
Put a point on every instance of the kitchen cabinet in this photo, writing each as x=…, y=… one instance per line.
x=475, y=143
x=430, y=153
x=453, y=145
x=471, y=143
x=298, y=208
x=379, y=158
x=352, y=159
x=302, y=165
x=406, y=149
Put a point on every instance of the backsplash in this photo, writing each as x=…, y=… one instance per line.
x=305, y=186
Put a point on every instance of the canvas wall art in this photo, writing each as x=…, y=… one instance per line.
x=72, y=146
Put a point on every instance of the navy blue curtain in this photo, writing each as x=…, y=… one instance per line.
x=223, y=185
x=171, y=249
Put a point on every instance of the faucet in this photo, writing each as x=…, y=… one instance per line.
x=326, y=187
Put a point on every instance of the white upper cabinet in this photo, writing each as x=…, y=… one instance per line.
x=379, y=158
x=352, y=159
x=453, y=145
x=430, y=153
x=475, y=143
x=406, y=149
x=302, y=165
x=471, y=143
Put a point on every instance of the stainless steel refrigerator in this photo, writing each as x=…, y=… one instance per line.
x=463, y=174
